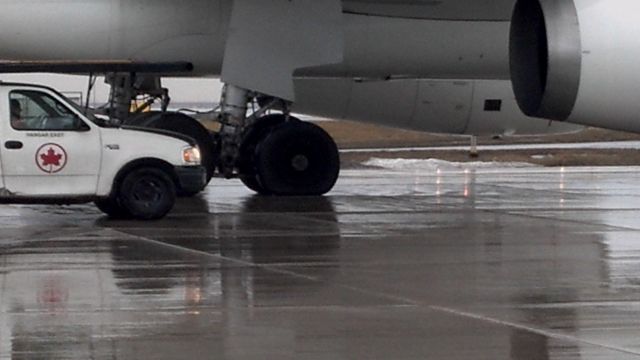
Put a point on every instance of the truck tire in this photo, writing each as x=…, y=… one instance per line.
x=147, y=193
x=112, y=208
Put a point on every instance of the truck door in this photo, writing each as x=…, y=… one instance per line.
x=47, y=148
x=2, y=188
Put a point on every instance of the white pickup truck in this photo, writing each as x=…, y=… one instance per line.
x=51, y=152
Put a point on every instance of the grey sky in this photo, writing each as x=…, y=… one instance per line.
x=180, y=89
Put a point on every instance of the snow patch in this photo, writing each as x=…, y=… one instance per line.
x=437, y=164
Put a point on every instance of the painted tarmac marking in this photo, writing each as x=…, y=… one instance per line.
x=406, y=302
x=531, y=329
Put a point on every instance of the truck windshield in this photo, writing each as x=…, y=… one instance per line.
x=86, y=112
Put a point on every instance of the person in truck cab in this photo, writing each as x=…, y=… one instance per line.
x=17, y=122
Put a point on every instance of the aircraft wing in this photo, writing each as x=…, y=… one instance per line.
x=269, y=40
x=262, y=56
x=95, y=66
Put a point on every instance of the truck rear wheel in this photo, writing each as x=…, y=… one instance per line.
x=147, y=193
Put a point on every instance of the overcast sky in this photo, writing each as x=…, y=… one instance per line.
x=180, y=89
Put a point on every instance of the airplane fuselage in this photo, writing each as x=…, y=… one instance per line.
x=418, y=66
x=379, y=42
x=437, y=66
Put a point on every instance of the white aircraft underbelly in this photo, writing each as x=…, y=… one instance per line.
x=166, y=30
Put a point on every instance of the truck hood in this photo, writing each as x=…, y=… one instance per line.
x=173, y=134
x=124, y=144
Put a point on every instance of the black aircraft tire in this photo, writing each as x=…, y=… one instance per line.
x=143, y=119
x=252, y=183
x=147, y=193
x=297, y=158
x=250, y=140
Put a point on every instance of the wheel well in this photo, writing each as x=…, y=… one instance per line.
x=145, y=162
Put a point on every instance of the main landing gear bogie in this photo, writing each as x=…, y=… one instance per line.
x=274, y=154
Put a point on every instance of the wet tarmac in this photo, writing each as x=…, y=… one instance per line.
x=492, y=263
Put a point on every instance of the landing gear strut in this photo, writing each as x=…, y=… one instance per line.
x=274, y=154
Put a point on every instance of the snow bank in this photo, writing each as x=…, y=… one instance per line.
x=436, y=164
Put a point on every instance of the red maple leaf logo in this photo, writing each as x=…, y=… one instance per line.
x=51, y=158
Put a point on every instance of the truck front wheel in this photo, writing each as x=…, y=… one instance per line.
x=147, y=193
x=111, y=207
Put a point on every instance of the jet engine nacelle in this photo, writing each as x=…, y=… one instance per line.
x=578, y=60
x=474, y=107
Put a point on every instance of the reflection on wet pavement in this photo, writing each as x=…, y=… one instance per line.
x=477, y=264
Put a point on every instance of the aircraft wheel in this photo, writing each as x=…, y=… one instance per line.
x=143, y=119
x=297, y=158
x=247, y=161
x=252, y=183
x=147, y=193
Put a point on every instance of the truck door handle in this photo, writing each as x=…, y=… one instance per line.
x=13, y=145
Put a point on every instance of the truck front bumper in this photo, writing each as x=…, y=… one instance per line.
x=191, y=178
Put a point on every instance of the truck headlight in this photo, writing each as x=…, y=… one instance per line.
x=191, y=156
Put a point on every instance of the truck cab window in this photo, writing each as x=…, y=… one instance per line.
x=37, y=111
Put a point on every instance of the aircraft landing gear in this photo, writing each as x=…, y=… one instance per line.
x=297, y=158
x=275, y=154
x=251, y=137
x=272, y=154
x=281, y=156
